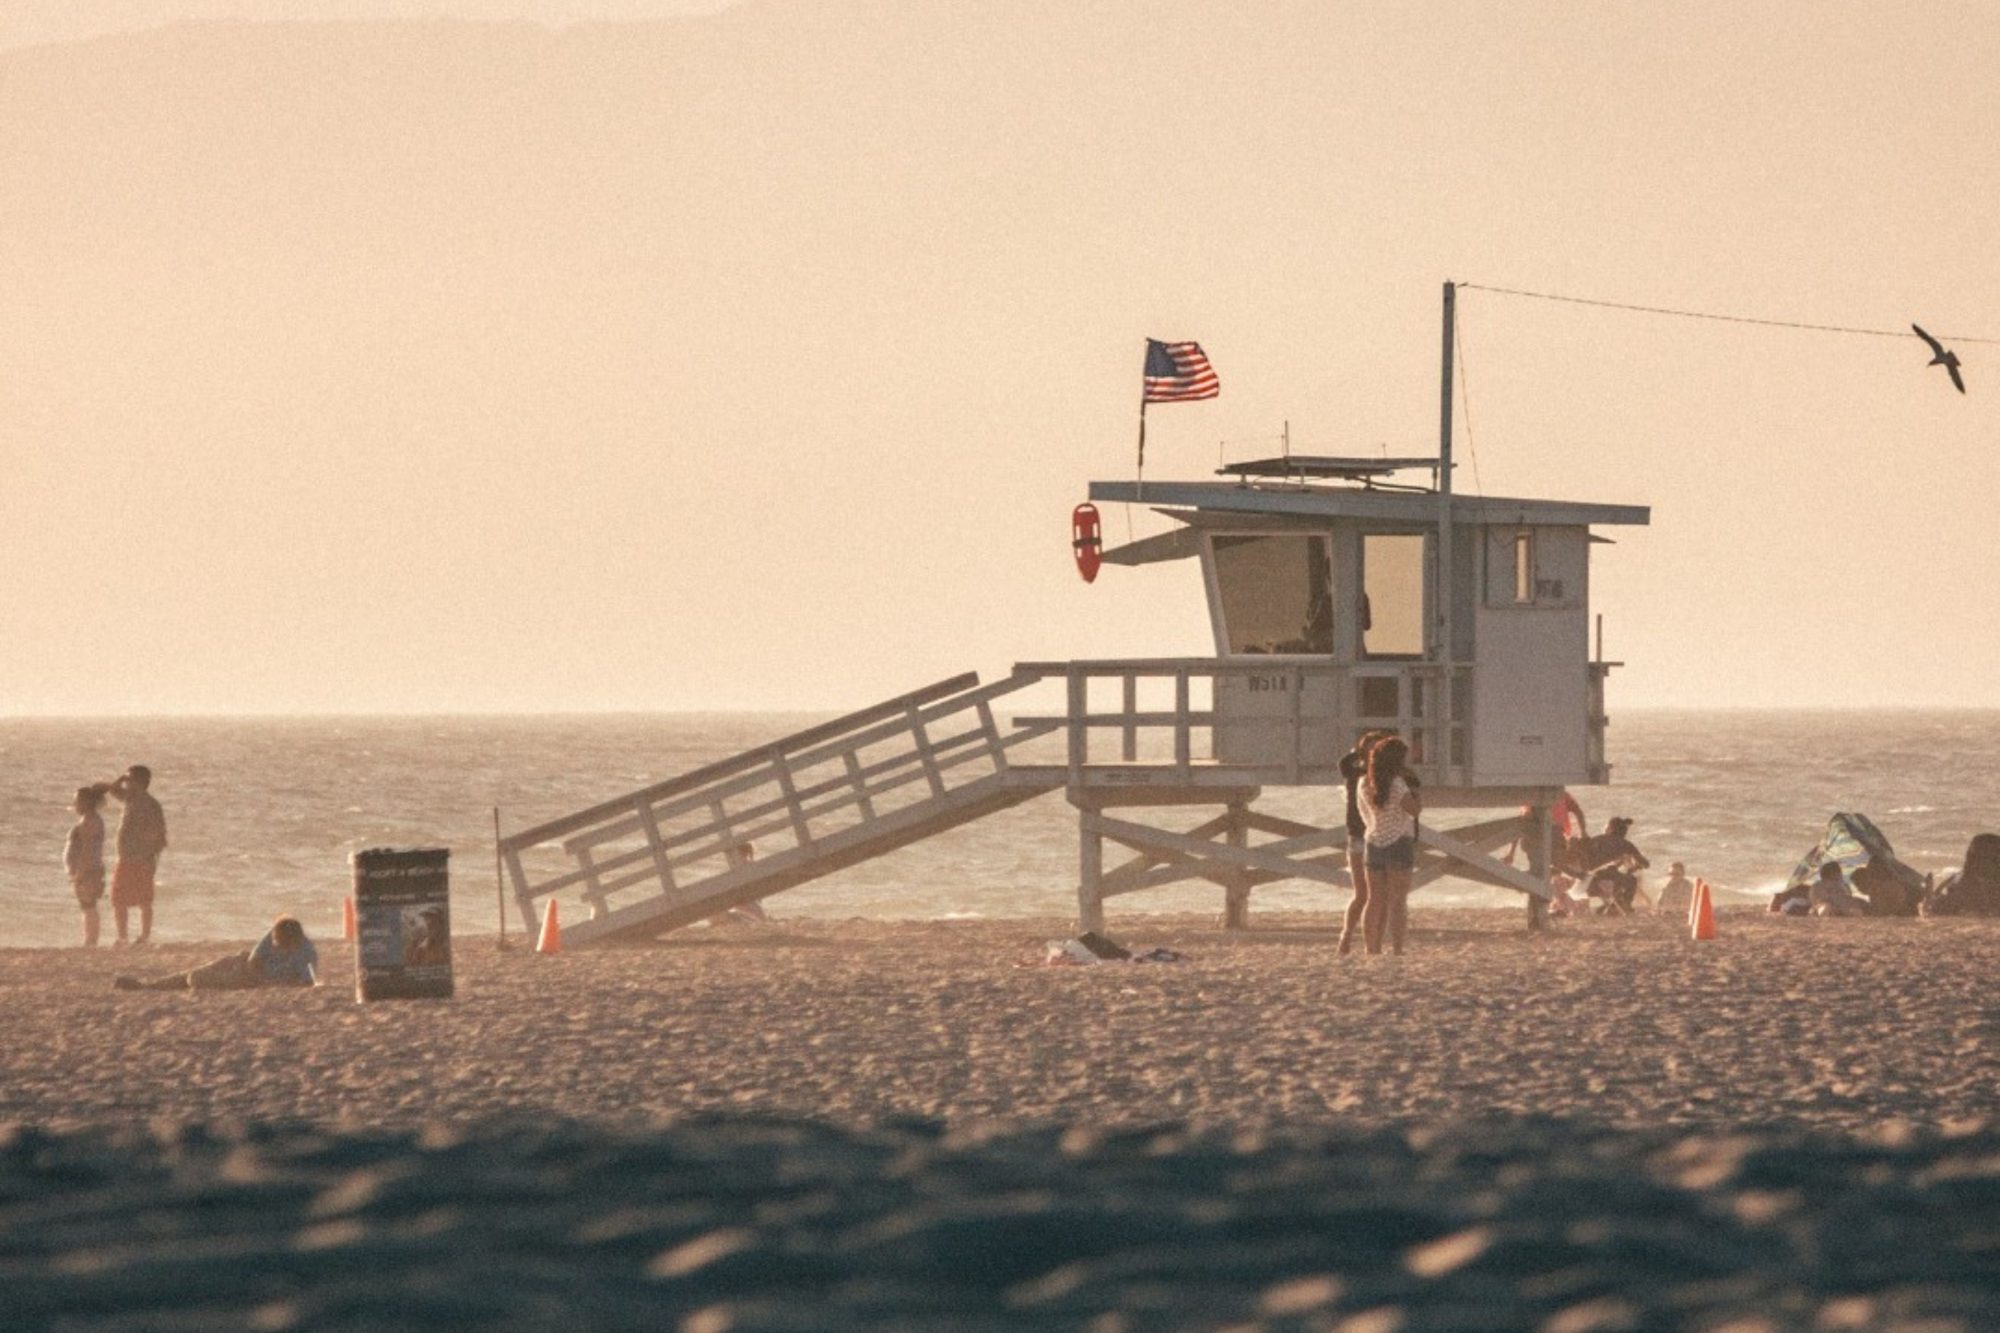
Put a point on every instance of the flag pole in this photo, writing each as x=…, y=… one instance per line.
x=1142, y=431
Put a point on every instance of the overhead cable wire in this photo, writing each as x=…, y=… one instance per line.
x=1716, y=316
x=1465, y=400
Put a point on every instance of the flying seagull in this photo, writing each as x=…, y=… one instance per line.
x=1940, y=357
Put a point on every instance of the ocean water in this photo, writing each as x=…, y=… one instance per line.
x=263, y=812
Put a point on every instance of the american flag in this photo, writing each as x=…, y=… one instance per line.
x=1178, y=373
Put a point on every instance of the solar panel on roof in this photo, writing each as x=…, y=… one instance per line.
x=1321, y=465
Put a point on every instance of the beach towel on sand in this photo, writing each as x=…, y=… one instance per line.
x=1090, y=948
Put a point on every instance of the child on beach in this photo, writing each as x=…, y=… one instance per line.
x=284, y=957
x=1830, y=895
x=1677, y=894
x=83, y=857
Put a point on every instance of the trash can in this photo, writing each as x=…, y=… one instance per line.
x=402, y=917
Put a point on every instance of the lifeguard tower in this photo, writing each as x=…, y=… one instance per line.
x=1343, y=597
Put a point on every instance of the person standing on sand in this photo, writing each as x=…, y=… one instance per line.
x=83, y=857
x=142, y=836
x=1389, y=808
x=1354, y=767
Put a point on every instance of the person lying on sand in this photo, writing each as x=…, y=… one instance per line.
x=284, y=957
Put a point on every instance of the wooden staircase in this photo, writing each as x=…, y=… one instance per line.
x=780, y=815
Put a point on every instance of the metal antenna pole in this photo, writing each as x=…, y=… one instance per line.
x=1446, y=582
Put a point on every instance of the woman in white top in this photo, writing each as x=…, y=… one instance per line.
x=1389, y=808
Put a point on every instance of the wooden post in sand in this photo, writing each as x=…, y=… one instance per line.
x=1236, y=897
x=1537, y=836
x=499, y=880
x=1090, y=877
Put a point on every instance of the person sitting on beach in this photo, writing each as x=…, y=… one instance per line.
x=1677, y=894
x=1611, y=864
x=751, y=913
x=1974, y=888
x=1389, y=808
x=1830, y=895
x=1793, y=901
x=1354, y=767
x=1561, y=901
x=142, y=836
x=1887, y=894
x=284, y=957
x=83, y=857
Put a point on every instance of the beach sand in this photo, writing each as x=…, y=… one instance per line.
x=826, y=1125
x=1834, y=1024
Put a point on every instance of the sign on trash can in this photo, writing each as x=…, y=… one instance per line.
x=402, y=918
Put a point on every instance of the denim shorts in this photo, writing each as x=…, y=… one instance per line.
x=1398, y=855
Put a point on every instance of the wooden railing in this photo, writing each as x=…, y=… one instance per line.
x=1276, y=720
x=1594, y=749
x=770, y=808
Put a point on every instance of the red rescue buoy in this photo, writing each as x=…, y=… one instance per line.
x=1085, y=541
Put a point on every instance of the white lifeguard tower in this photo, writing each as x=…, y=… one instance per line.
x=1343, y=599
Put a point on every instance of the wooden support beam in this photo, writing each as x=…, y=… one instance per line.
x=1236, y=896
x=1486, y=866
x=1540, y=848
x=1141, y=838
x=1298, y=689
x=524, y=894
x=1090, y=874
x=1127, y=877
x=1105, y=798
x=1079, y=734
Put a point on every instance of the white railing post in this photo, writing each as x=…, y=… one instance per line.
x=1183, y=742
x=791, y=794
x=1079, y=732
x=996, y=749
x=924, y=755
x=1298, y=684
x=657, y=845
x=859, y=781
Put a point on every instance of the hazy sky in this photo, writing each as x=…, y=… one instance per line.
x=756, y=358
x=25, y=22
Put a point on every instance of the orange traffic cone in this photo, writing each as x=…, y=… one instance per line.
x=1704, y=913
x=550, y=940
x=1694, y=899
x=347, y=929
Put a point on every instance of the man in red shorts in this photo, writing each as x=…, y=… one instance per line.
x=142, y=836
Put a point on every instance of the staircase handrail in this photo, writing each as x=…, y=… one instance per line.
x=747, y=761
